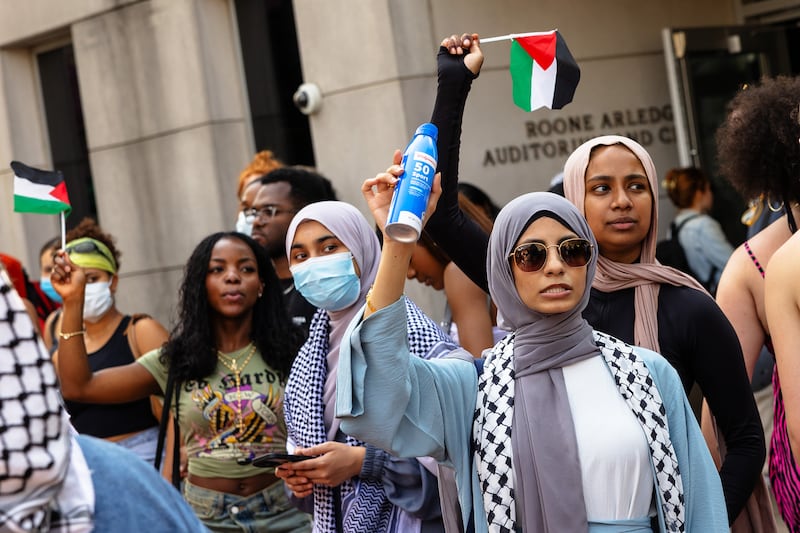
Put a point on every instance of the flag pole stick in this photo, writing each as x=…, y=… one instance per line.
x=511, y=36
x=63, y=232
x=496, y=39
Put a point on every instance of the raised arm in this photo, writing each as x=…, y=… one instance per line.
x=78, y=382
x=459, y=62
x=395, y=256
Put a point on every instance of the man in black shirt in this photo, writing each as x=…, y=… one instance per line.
x=282, y=193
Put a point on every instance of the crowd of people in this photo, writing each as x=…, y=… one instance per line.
x=552, y=397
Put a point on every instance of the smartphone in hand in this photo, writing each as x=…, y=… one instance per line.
x=271, y=460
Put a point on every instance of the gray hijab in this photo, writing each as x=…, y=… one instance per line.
x=349, y=226
x=548, y=488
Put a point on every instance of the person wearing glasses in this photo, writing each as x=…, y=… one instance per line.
x=562, y=428
x=279, y=195
x=613, y=183
x=262, y=164
x=111, y=339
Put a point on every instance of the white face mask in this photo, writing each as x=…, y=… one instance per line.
x=97, y=300
x=244, y=224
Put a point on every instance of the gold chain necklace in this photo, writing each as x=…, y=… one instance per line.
x=232, y=364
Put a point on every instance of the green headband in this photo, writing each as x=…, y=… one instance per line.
x=91, y=253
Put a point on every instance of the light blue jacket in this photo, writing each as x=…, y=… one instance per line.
x=413, y=407
x=705, y=245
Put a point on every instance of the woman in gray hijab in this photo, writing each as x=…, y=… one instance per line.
x=562, y=428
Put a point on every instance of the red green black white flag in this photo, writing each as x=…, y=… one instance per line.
x=39, y=191
x=543, y=71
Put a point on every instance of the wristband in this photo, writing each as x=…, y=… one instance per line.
x=370, y=305
x=67, y=336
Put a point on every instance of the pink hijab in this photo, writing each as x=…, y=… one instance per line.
x=648, y=274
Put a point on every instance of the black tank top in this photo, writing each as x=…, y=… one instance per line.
x=109, y=420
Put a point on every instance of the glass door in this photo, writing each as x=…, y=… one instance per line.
x=706, y=67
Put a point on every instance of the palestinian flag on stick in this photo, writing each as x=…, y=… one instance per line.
x=543, y=71
x=39, y=191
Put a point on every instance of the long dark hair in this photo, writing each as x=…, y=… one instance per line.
x=191, y=350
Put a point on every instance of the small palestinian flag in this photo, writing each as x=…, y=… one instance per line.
x=543, y=71
x=39, y=191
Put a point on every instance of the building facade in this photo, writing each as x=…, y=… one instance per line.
x=169, y=99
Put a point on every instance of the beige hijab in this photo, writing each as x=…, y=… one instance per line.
x=648, y=274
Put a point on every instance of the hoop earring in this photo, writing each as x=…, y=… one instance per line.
x=775, y=209
x=754, y=209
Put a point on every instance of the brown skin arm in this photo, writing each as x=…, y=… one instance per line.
x=395, y=256
x=470, y=311
x=78, y=382
x=736, y=299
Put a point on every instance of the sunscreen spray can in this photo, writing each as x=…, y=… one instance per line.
x=407, y=210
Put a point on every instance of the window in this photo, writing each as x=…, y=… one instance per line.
x=272, y=70
x=62, y=104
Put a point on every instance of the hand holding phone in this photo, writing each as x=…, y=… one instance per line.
x=271, y=460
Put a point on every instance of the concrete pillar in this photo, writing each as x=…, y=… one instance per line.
x=23, y=137
x=167, y=131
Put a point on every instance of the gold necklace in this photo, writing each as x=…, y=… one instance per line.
x=232, y=364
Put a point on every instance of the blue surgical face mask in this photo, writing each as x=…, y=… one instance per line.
x=244, y=224
x=328, y=282
x=47, y=288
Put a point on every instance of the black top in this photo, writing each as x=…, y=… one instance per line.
x=695, y=336
x=109, y=420
x=300, y=310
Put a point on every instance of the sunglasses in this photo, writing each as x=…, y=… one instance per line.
x=532, y=256
x=88, y=247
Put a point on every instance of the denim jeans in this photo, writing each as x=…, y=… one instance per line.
x=268, y=510
x=130, y=496
x=142, y=444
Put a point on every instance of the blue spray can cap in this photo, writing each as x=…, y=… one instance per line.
x=428, y=129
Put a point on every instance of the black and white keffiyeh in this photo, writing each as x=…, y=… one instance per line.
x=491, y=436
x=636, y=385
x=45, y=483
x=365, y=507
x=492, y=429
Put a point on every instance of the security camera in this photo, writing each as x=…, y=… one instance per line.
x=308, y=98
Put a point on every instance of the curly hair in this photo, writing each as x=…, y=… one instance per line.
x=89, y=228
x=191, y=350
x=758, y=145
x=263, y=163
x=681, y=185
